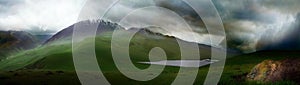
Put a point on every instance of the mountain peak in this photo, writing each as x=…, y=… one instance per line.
x=103, y=26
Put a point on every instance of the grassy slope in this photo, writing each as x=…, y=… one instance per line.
x=53, y=64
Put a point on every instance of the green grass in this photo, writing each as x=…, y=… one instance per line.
x=52, y=64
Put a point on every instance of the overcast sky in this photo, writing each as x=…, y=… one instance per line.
x=41, y=15
x=246, y=20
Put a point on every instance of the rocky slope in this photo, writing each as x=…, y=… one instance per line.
x=272, y=71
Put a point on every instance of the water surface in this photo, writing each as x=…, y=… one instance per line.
x=183, y=63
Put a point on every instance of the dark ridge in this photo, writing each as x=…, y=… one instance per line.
x=147, y=31
x=16, y=40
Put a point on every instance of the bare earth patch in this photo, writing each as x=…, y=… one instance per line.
x=272, y=71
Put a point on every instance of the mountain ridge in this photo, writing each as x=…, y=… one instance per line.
x=107, y=26
x=16, y=40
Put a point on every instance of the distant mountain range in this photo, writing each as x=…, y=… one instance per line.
x=16, y=40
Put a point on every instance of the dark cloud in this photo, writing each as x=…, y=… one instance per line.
x=251, y=15
x=177, y=6
x=10, y=2
x=247, y=22
x=5, y=5
x=185, y=11
x=291, y=41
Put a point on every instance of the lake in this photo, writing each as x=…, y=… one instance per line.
x=183, y=63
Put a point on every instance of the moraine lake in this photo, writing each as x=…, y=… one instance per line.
x=182, y=63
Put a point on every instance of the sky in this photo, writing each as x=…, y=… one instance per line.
x=38, y=15
x=247, y=22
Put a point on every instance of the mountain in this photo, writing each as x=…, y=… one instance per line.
x=103, y=26
x=16, y=40
x=59, y=56
x=107, y=26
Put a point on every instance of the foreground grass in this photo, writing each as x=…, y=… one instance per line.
x=234, y=73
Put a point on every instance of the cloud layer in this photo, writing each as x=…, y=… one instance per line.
x=247, y=22
x=42, y=14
